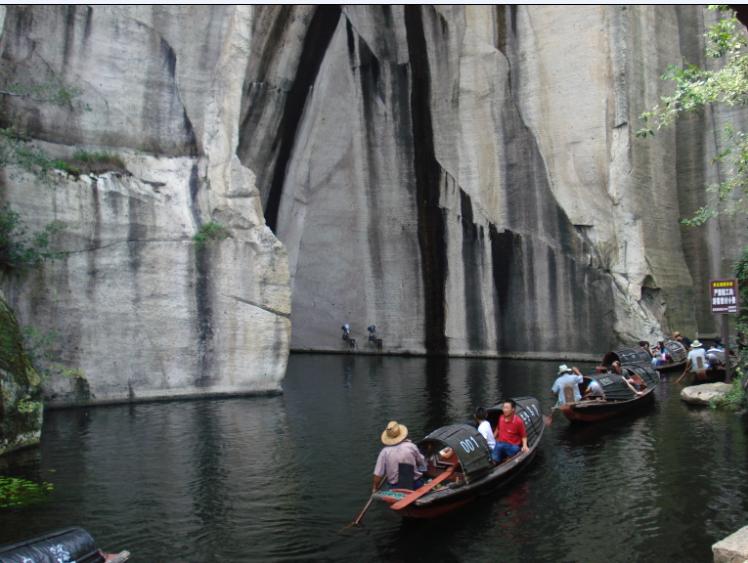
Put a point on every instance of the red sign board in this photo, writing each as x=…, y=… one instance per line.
x=724, y=294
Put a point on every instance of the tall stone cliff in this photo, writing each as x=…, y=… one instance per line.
x=142, y=309
x=466, y=178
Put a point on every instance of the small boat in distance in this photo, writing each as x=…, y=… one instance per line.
x=468, y=473
x=619, y=397
x=677, y=355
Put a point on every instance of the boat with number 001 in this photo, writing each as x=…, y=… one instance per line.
x=459, y=467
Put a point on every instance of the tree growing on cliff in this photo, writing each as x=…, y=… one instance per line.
x=696, y=88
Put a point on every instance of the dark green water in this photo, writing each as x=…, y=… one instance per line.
x=276, y=478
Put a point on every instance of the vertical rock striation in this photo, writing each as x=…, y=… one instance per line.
x=141, y=308
x=467, y=178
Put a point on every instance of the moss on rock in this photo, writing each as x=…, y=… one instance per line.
x=21, y=408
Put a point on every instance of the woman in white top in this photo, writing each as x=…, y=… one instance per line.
x=484, y=427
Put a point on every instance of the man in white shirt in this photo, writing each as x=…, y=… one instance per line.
x=696, y=362
x=567, y=377
x=484, y=427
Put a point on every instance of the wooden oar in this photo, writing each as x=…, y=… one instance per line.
x=548, y=418
x=418, y=493
x=357, y=521
x=681, y=376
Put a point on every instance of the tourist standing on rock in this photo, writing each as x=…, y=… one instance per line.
x=397, y=450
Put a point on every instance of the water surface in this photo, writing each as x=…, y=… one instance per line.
x=276, y=478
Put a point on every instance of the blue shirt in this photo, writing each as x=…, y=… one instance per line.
x=563, y=381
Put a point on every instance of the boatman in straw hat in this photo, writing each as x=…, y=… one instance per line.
x=398, y=449
x=696, y=362
x=567, y=377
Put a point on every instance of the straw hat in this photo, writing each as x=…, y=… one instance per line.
x=696, y=344
x=563, y=368
x=394, y=433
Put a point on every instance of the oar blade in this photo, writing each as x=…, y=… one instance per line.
x=418, y=493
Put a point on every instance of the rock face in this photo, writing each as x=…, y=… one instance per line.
x=704, y=393
x=20, y=388
x=732, y=549
x=466, y=178
x=141, y=308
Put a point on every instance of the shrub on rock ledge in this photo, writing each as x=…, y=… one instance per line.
x=20, y=388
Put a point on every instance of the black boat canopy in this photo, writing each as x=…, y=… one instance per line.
x=629, y=356
x=468, y=444
x=616, y=389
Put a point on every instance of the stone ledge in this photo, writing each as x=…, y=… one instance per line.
x=532, y=356
x=163, y=398
x=702, y=394
x=732, y=549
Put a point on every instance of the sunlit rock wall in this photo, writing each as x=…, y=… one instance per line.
x=136, y=304
x=468, y=178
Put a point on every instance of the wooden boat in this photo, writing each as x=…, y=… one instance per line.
x=470, y=473
x=69, y=544
x=619, y=398
x=636, y=355
x=678, y=356
x=629, y=355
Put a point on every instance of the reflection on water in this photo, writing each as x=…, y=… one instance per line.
x=276, y=478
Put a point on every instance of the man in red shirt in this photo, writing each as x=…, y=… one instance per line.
x=510, y=433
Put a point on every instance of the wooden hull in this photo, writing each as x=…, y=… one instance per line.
x=450, y=500
x=594, y=411
x=712, y=376
x=667, y=368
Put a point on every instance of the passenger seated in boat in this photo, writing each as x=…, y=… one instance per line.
x=594, y=390
x=635, y=381
x=715, y=355
x=484, y=427
x=511, y=436
x=661, y=355
x=645, y=346
x=615, y=367
x=567, y=377
x=398, y=450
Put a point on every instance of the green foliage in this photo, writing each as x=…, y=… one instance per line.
x=15, y=492
x=20, y=250
x=85, y=162
x=210, y=231
x=54, y=93
x=735, y=398
x=41, y=348
x=15, y=150
x=28, y=406
x=696, y=88
x=607, y=254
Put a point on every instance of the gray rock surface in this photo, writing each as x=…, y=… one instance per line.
x=732, y=549
x=702, y=394
x=467, y=178
x=142, y=309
